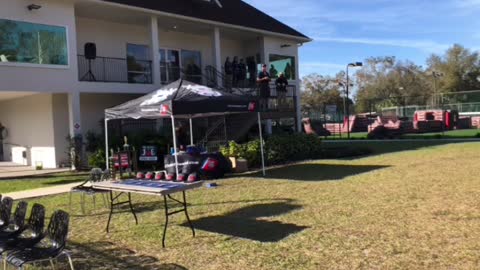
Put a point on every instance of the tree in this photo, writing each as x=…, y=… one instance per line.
x=459, y=69
x=319, y=91
x=384, y=82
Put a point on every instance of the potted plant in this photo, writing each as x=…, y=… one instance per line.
x=233, y=152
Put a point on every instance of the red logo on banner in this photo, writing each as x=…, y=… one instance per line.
x=251, y=106
x=164, y=109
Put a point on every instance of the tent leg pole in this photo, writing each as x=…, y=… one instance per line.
x=106, y=144
x=261, y=142
x=175, y=144
x=191, y=132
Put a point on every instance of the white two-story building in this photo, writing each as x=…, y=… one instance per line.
x=50, y=87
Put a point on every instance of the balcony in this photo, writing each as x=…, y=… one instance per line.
x=114, y=70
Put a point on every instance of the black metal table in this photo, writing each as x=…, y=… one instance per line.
x=157, y=188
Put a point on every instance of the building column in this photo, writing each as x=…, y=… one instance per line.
x=265, y=60
x=298, y=100
x=75, y=119
x=217, y=52
x=154, y=41
x=263, y=52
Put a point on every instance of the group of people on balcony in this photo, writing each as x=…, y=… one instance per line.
x=236, y=76
x=235, y=73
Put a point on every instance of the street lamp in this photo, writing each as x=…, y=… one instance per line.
x=356, y=64
x=435, y=75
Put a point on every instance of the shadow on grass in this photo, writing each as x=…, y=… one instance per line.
x=105, y=255
x=317, y=172
x=244, y=222
x=151, y=206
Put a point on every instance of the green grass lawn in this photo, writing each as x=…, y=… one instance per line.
x=383, y=146
x=461, y=133
x=13, y=185
x=414, y=209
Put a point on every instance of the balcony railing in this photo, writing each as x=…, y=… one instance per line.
x=117, y=70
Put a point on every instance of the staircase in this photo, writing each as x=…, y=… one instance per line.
x=222, y=129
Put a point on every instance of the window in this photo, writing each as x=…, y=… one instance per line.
x=138, y=64
x=281, y=63
x=174, y=63
x=191, y=63
x=23, y=42
x=169, y=65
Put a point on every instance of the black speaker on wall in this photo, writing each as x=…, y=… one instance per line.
x=90, y=54
x=90, y=51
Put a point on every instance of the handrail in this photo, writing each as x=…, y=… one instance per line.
x=209, y=131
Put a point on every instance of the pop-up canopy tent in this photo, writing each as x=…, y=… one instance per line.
x=184, y=100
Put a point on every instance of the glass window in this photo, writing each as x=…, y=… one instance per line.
x=282, y=63
x=138, y=64
x=192, y=63
x=23, y=42
x=173, y=65
x=163, y=67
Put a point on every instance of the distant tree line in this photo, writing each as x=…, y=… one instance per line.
x=387, y=82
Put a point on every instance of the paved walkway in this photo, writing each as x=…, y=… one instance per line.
x=9, y=170
x=41, y=192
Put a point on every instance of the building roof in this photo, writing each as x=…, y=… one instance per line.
x=235, y=12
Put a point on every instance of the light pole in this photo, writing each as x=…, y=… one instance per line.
x=356, y=64
x=435, y=75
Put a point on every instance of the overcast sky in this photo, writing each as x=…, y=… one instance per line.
x=347, y=31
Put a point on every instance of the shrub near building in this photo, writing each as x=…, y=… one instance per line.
x=278, y=149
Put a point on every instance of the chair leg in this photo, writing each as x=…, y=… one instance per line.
x=94, y=201
x=70, y=201
x=52, y=264
x=82, y=203
x=104, y=197
x=70, y=262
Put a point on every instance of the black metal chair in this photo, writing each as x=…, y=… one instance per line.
x=5, y=211
x=85, y=188
x=30, y=234
x=16, y=225
x=49, y=248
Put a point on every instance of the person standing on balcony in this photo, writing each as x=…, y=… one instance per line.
x=281, y=85
x=263, y=80
x=236, y=71
x=228, y=73
x=242, y=76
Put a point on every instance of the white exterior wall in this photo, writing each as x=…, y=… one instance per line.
x=40, y=78
x=61, y=129
x=111, y=38
x=93, y=108
x=29, y=121
x=254, y=47
x=231, y=48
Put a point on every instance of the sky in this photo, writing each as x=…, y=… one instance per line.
x=346, y=31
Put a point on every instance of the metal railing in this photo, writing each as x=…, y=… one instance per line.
x=119, y=70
